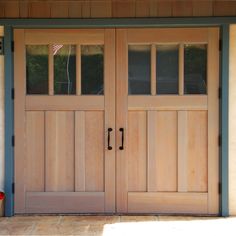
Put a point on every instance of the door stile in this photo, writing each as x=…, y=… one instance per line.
x=121, y=119
x=19, y=120
x=213, y=121
x=110, y=120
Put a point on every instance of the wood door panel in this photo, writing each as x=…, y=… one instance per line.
x=57, y=202
x=94, y=151
x=162, y=158
x=137, y=150
x=35, y=138
x=166, y=202
x=59, y=151
x=80, y=151
x=197, y=151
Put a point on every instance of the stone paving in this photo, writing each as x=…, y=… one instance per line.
x=117, y=225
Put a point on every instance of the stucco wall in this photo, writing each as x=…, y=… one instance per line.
x=1, y=118
x=232, y=121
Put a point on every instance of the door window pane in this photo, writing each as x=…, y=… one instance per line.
x=37, y=69
x=167, y=69
x=64, y=69
x=139, y=57
x=195, y=69
x=92, y=69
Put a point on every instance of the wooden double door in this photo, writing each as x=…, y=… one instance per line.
x=116, y=120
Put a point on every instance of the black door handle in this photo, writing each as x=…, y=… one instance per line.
x=109, y=147
x=122, y=139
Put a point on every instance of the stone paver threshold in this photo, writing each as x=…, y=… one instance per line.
x=117, y=225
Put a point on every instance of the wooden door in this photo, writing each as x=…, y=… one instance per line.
x=167, y=106
x=64, y=105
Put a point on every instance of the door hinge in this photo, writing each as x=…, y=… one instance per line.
x=220, y=188
x=220, y=45
x=12, y=93
x=219, y=140
x=12, y=46
x=13, y=140
x=220, y=93
x=1, y=45
x=13, y=188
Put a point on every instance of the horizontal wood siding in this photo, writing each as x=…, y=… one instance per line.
x=115, y=8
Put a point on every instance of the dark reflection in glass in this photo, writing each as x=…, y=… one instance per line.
x=92, y=69
x=195, y=69
x=64, y=69
x=139, y=57
x=37, y=69
x=167, y=69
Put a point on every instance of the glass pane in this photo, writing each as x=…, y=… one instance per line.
x=167, y=69
x=92, y=69
x=195, y=67
x=37, y=69
x=64, y=69
x=139, y=69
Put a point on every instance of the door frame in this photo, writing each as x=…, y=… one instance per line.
x=11, y=24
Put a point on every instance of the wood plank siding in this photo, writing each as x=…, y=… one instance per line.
x=115, y=8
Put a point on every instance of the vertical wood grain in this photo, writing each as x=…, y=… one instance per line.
x=213, y=120
x=110, y=106
x=60, y=151
x=153, y=8
x=101, y=9
x=202, y=8
x=121, y=119
x=142, y=8
x=153, y=69
x=80, y=151
x=19, y=120
x=116, y=8
x=60, y=9
x=197, y=151
x=94, y=151
x=123, y=8
x=24, y=9
x=75, y=9
x=12, y=9
x=86, y=9
x=39, y=9
x=35, y=151
x=224, y=8
x=162, y=159
x=137, y=151
x=182, y=8
x=2, y=9
x=164, y=8
x=182, y=151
